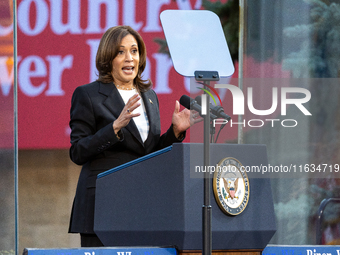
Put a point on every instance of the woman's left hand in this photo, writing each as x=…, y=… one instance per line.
x=182, y=120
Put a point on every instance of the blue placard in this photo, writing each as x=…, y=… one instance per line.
x=269, y=250
x=302, y=250
x=103, y=251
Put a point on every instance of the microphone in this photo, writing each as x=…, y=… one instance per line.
x=217, y=110
x=192, y=104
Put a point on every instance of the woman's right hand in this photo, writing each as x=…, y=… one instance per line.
x=127, y=113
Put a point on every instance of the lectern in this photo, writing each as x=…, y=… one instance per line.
x=156, y=200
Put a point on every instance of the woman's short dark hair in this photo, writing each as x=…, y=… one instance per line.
x=108, y=49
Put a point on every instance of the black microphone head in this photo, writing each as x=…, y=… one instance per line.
x=198, y=99
x=185, y=101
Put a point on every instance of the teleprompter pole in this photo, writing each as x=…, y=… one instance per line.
x=206, y=214
x=206, y=77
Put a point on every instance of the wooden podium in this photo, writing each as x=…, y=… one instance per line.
x=155, y=201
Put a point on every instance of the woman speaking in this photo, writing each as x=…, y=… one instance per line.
x=115, y=119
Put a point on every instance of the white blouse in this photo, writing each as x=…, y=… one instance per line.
x=141, y=121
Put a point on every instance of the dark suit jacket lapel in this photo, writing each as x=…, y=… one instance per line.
x=151, y=107
x=115, y=104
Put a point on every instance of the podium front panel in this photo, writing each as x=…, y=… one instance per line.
x=157, y=203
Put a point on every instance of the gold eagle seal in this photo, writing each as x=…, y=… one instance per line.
x=231, y=186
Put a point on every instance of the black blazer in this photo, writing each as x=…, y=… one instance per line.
x=95, y=146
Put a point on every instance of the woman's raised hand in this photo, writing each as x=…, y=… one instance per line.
x=182, y=120
x=127, y=113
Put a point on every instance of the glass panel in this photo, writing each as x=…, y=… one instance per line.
x=287, y=40
x=7, y=147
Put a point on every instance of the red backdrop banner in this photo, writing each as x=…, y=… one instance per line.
x=57, y=43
